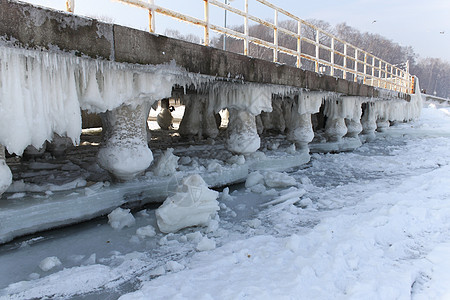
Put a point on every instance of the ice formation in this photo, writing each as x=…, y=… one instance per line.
x=5, y=172
x=49, y=263
x=120, y=218
x=252, y=98
x=167, y=164
x=194, y=204
x=41, y=93
x=198, y=119
x=124, y=151
x=146, y=231
x=243, y=137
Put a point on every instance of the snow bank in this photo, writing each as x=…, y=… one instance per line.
x=194, y=204
x=120, y=218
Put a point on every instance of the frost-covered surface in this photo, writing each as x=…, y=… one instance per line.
x=369, y=224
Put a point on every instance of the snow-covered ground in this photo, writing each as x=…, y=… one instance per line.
x=369, y=224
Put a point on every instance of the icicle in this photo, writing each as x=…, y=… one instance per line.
x=5, y=172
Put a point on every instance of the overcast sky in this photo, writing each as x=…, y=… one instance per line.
x=422, y=24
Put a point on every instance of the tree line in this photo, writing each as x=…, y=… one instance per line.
x=433, y=73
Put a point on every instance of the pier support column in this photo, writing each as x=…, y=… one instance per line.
x=210, y=129
x=197, y=119
x=354, y=127
x=335, y=129
x=124, y=151
x=368, y=121
x=5, y=172
x=32, y=152
x=382, y=125
x=59, y=144
x=300, y=130
x=274, y=120
x=243, y=137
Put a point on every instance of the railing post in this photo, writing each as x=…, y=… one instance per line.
x=317, y=51
x=385, y=75
x=299, y=44
x=365, y=68
x=275, y=37
x=206, y=30
x=373, y=70
x=151, y=16
x=332, y=57
x=70, y=6
x=380, y=74
x=345, y=61
x=246, y=28
x=356, y=65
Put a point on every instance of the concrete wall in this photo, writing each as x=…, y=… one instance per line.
x=31, y=26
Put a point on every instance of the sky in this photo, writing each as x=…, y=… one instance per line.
x=424, y=25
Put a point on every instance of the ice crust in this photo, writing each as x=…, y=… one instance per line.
x=194, y=204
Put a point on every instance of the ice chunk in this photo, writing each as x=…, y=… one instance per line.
x=146, y=231
x=206, y=244
x=90, y=260
x=278, y=179
x=254, y=178
x=120, y=218
x=226, y=195
x=49, y=263
x=167, y=164
x=173, y=266
x=290, y=197
x=194, y=204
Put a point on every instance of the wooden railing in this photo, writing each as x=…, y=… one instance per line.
x=354, y=64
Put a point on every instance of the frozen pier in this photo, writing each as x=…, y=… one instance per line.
x=241, y=114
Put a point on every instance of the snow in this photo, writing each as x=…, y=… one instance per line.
x=194, y=204
x=120, y=218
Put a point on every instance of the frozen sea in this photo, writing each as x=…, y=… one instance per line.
x=369, y=224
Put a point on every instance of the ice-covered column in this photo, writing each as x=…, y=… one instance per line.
x=191, y=123
x=299, y=125
x=124, y=151
x=59, y=144
x=368, y=120
x=274, y=120
x=32, y=152
x=335, y=129
x=5, y=172
x=243, y=136
x=354, y=127
x=210, y=129
x=382, y=124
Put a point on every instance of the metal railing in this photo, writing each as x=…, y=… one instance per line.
x=345, y=61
